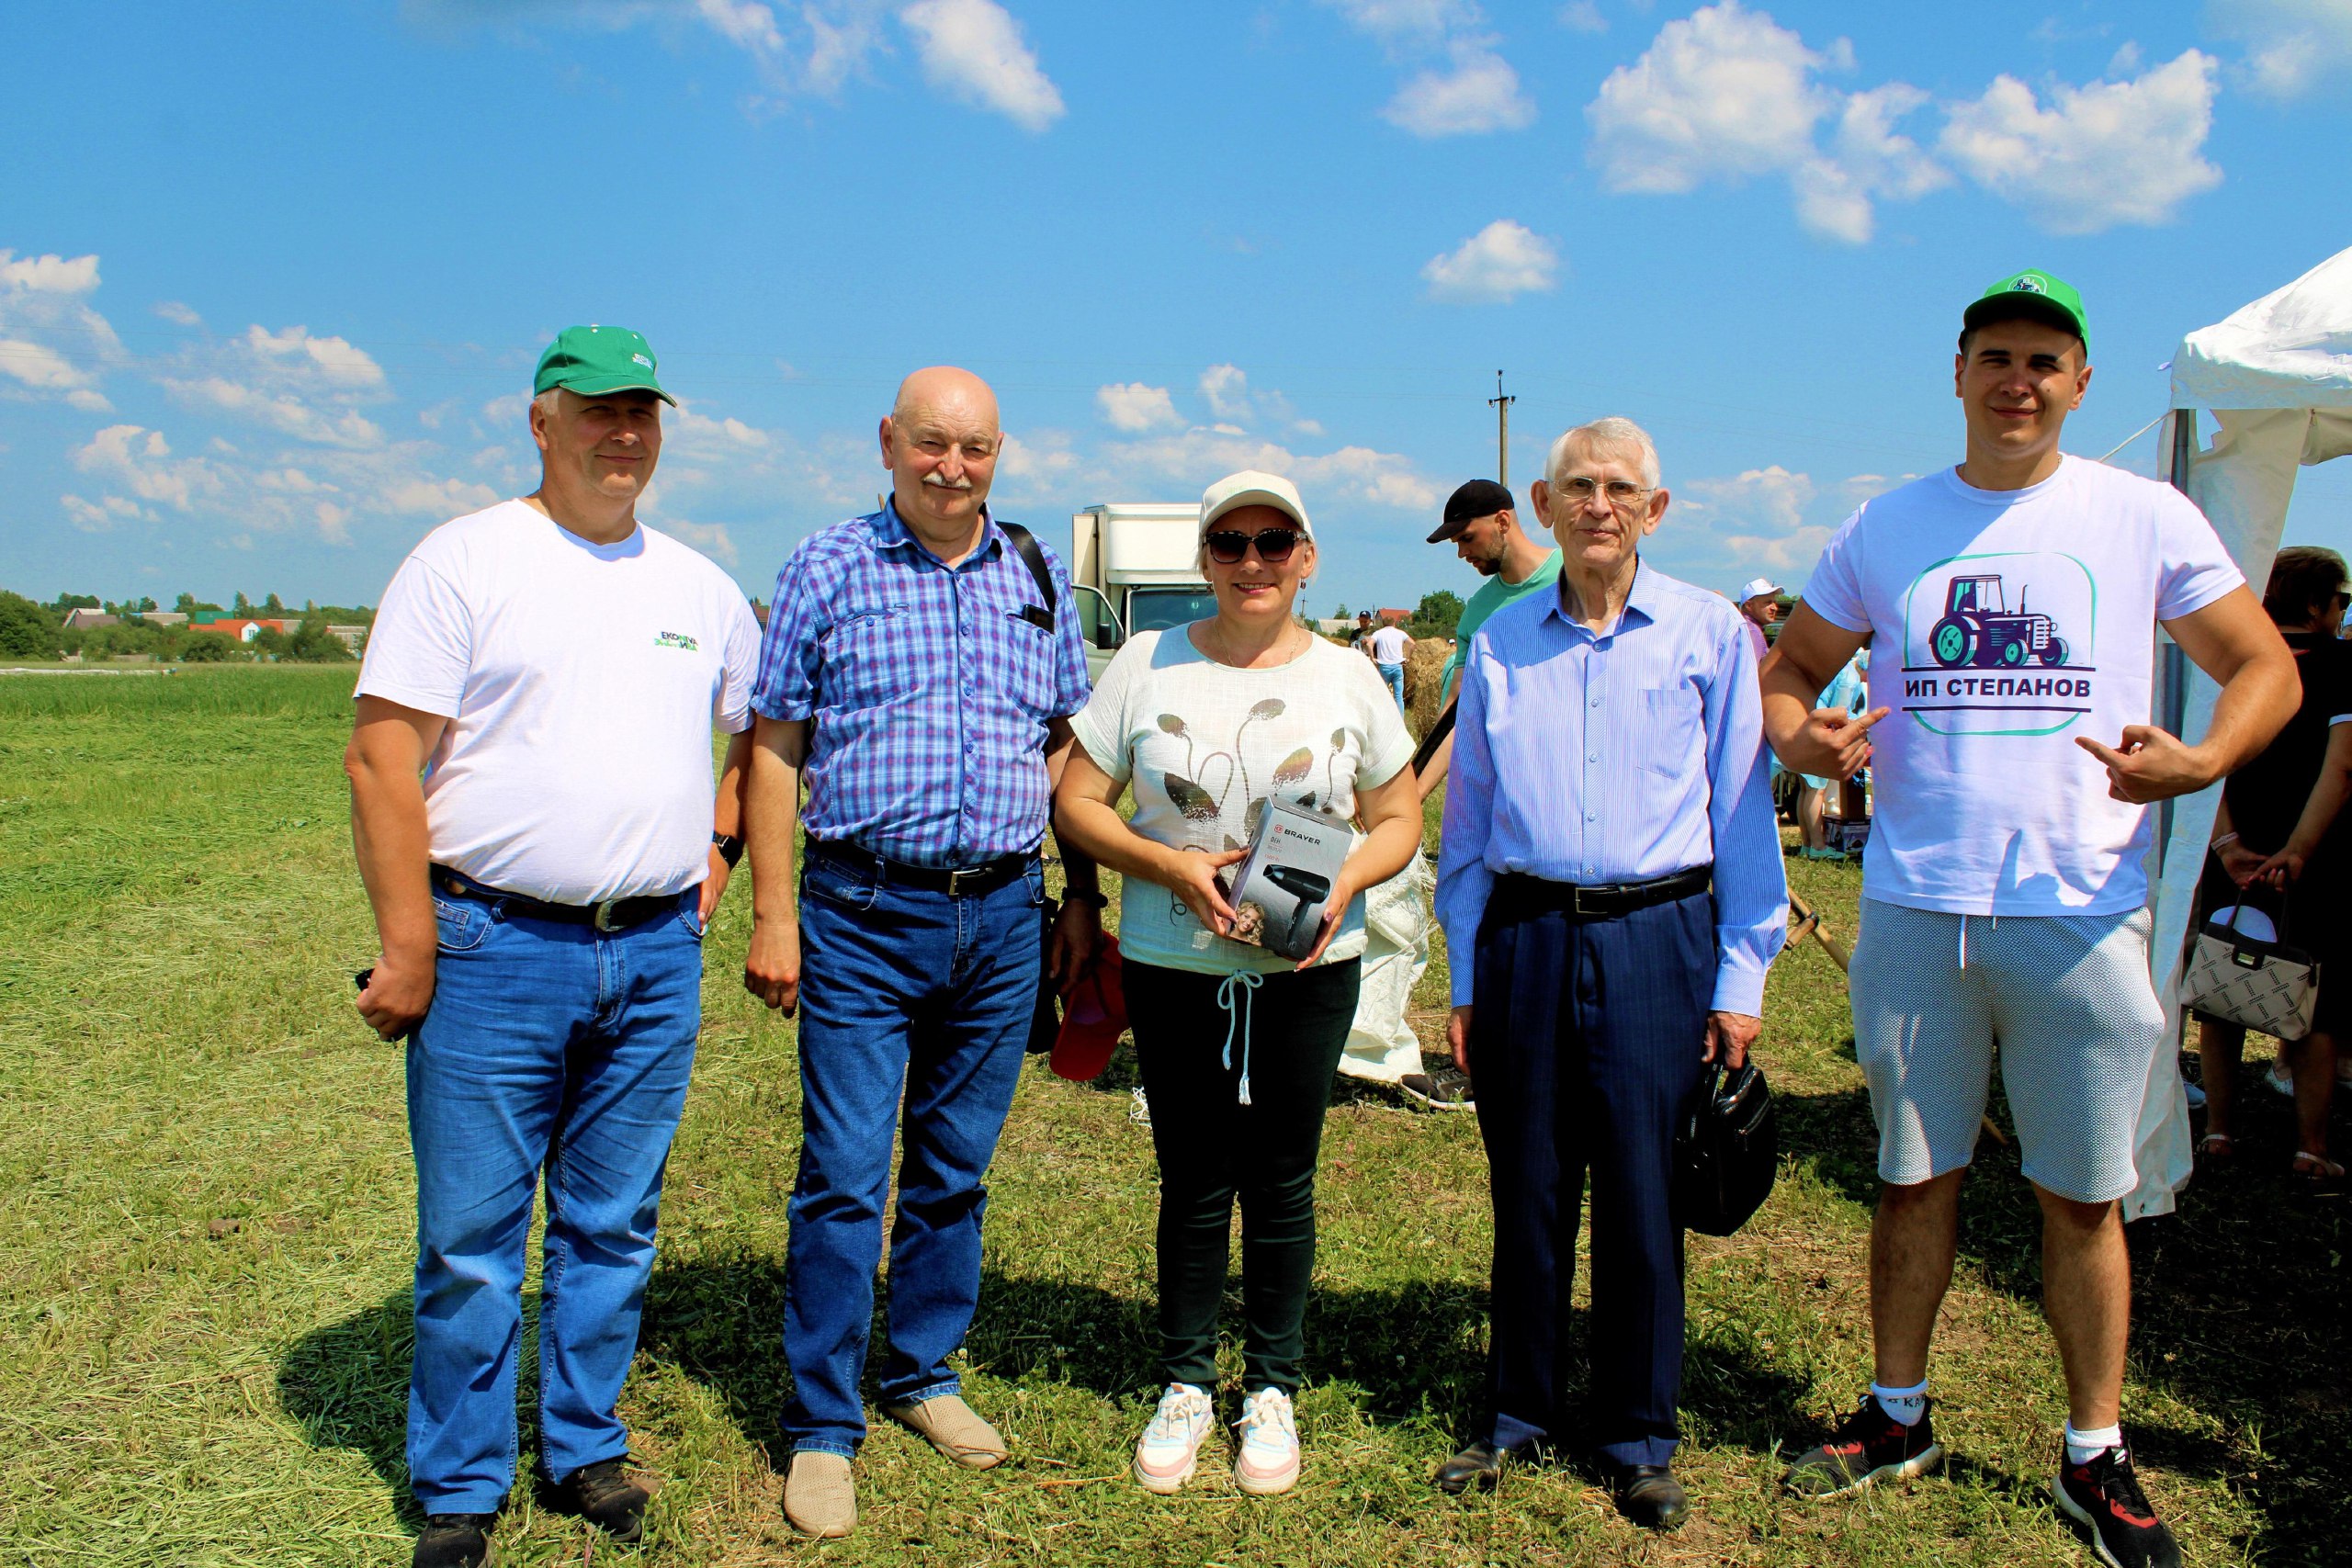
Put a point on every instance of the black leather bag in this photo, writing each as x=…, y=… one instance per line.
x=1046, y=1024
x=1726, y=1151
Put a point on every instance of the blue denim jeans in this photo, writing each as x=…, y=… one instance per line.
x=553, y=1050
x=1395, y=675
x=898, y=989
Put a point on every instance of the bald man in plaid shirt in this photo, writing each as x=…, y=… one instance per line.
x=915, y=677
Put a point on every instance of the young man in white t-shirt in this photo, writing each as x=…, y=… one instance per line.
x=532, y=804
x=2011, y=604
x=1389, y=648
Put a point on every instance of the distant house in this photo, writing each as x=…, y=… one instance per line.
x=244, y=628
x=1392, y=617
x=350, y=637
x=164, y=617
x=78, y=620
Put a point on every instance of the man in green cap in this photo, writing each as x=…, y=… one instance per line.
x=2011, y=604
x=534, y=812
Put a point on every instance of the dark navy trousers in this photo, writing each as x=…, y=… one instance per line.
x=1585, y=1046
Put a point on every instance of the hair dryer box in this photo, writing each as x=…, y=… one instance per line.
x=1283, y=886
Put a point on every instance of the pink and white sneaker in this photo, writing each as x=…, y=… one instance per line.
x=1268, y=1461
x=1170, y=1449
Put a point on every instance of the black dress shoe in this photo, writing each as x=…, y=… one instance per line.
x=1478, y=1464
x=453, y=1540
x=1650, y=1496
x=605, y=1495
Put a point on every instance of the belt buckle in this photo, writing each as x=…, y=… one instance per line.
x=956, y=881
x=1576, y=904
x=605, y=916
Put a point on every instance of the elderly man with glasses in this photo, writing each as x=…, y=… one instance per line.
x=1611, y=873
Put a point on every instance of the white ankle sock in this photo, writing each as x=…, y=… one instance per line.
x=1906, y=1405
x=2083, y=1447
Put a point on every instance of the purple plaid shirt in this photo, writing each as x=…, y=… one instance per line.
x=930, y=694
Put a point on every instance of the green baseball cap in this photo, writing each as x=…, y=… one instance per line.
x=2035, y=296
x=595, y=360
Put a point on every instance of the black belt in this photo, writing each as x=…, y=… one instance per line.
x=962, y=883
x=612, y=915
x=1600, y=901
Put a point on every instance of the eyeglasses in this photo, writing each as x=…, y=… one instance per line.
x=1624, y=494
x=1228, y=547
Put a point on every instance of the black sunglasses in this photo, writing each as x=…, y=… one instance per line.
x=1227, y=545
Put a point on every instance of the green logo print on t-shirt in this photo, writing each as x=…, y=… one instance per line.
x=1999, y=644
x=678, y=640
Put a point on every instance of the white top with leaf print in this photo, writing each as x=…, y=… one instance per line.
x=1205, y=745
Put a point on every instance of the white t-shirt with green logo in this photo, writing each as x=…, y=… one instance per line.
x=1205, y=745
x=582, y=683
x=2006, y=623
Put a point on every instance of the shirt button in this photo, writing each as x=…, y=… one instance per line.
x=1592, y=757
x=1596, y=701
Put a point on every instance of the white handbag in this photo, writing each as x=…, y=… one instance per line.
x=2235, y=979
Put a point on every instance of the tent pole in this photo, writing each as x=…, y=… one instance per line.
x=2172, y=667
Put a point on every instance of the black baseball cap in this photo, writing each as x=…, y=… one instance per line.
x=1479, y=498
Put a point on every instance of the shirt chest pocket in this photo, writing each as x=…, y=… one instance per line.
x=866, y=658
x=1029, y=665
x=1672, y=740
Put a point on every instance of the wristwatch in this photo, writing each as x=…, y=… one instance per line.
x=731, y=848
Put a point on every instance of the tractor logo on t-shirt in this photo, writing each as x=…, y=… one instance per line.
x=1987, y=649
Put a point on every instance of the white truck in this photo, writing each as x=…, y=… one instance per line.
x=1131, y=571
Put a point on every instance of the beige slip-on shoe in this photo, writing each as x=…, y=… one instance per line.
x=949, y=1425
x=819, y=1496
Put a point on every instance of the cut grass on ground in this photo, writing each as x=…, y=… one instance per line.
x=204, y=1321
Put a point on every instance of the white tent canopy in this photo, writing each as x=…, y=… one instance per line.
x=2277, y=378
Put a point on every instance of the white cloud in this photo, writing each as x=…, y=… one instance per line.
x=1479, y=93
x=83, y=515
x=52, y=345
x=280, y=412
x=2293, y=46
x=1583, y=16
x=1498, y=262
x=181, y=315
x=1132, y=406
x=2098, y=155
x=1392, y=19
x=1728, y=94
x=48, y=275
x=973, y=49
x=330, y=360
x=1724, y=93
x=141, y=461
x=711, y=538
x=1759, y=517
x=1226, y=388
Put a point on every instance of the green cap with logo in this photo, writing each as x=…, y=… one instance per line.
x=2032, y=295
x=593, y=361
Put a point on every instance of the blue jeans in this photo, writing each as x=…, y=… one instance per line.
x=1395, y=675
x=549, y=1049
x=898, y=987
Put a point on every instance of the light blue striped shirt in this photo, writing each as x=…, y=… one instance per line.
x=1618, y=756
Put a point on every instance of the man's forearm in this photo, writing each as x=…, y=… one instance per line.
x=393, y=846
x=2254, y=704
x=771, y=826
x=734, y=771
x=1079, y=873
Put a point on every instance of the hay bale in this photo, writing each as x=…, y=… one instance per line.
x=1423, y=666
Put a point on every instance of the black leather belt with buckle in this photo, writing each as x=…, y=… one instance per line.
x=611, y=915
x=1600, y=901
x=959, y=882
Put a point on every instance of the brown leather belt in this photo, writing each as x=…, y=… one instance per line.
x=611, y=915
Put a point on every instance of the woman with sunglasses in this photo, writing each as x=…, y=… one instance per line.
x=1207, y=724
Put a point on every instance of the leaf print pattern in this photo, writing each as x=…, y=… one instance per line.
x=1190, y=798
x=1294, y=767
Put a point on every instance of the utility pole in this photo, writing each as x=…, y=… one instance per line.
x=1501, y=405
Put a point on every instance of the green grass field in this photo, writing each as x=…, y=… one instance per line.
x=204, y=1317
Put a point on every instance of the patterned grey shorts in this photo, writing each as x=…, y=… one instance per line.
x=2069, y=1000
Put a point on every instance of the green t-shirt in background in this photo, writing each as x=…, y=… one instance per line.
x=1493, y=596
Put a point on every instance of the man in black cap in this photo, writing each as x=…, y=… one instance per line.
x=1484, y=526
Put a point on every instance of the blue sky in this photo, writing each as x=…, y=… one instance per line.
x=273, y=276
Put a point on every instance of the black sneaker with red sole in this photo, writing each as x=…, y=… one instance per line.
x=2104, y=1497
x=1868, y=1447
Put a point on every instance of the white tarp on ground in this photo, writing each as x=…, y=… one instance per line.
x=2278, y=377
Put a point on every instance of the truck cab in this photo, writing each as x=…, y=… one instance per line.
x=1131, y=571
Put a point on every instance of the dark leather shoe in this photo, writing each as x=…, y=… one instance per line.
x=1478, y=1464
x=605, y=1495
x=1650, y=1496
x=453, y=1540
